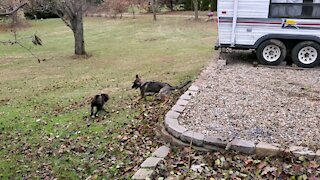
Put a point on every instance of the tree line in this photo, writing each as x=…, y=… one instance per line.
x=71, y=12
x=116, y=7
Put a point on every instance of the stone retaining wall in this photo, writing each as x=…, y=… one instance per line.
x=173, y=127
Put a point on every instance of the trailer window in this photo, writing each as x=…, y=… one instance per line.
x=309, y=9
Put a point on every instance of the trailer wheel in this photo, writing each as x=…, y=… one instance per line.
x=306, y=54
x=271, y=52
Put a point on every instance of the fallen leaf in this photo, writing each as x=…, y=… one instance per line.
x=313, y=164
x=217, y=162
x=268, y=169
x=262, y=165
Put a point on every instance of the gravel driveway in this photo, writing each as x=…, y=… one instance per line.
x=257, y=103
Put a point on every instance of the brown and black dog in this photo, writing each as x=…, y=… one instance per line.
x=151, y=88
x=98, y=101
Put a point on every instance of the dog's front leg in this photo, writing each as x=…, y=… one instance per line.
x=91, y=111
x=143, y=96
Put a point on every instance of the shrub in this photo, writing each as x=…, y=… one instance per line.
x=32, y=14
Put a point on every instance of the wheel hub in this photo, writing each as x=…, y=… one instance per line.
x=308, y=55
x=271, y=53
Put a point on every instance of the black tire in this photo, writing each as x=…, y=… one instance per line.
x=306, y=60
x=273, y=43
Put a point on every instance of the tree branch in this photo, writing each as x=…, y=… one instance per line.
x=62, y=18
x=29, y=50
x=13, y=11
x=17, y=41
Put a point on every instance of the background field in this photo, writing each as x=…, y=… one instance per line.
x=43, y=106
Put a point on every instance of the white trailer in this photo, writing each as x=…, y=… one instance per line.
x=275, y=29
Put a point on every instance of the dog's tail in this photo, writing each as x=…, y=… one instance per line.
x=181, y=86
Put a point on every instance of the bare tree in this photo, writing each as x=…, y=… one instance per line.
x=133, y=10
x=196, y=9
x=133, y=3
x=154, y=9
x=116, y=7
x=11, y=12
x=136, y=3
x=71, y=13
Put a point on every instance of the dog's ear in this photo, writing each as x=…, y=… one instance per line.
x=137, y=76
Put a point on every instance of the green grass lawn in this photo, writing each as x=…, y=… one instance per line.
x=43, y=105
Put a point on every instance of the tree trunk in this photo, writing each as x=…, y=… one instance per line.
x=154, y=9
x=133, y=12
x=77, y=28
x=196, y=13
x=20, y=12
x=212, y=5
x=171, y=5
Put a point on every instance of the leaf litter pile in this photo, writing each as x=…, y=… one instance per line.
x=131, y=146
x=189, y=164
x=118, y=152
